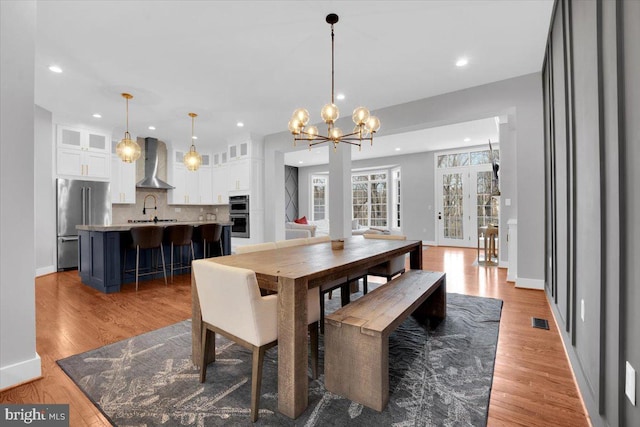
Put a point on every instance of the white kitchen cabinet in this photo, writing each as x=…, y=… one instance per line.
x=123, y=181
x=191, y=187
x=239, y=151
x=186, y=183
x=220, y=185
x=240, y=175
x=82, y=153
x=205, y=185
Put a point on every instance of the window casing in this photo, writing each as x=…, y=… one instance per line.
x=369, y=198
x=319, y=197
x=396, y=204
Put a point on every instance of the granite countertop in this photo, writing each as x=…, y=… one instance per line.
x=128, y=226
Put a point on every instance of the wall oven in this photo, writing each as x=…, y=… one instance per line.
x=239, y=204
x=239, y=214
x=240, y=227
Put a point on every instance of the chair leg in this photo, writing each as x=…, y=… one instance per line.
x=137, y=264
x=256, y=381
x=164, y=270
x=193, y=255
x=203, y=348
x=313, y=338
x=322, y=312
x=365, y=285
x=171, y=265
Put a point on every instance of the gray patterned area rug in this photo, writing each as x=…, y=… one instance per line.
x=439, y=377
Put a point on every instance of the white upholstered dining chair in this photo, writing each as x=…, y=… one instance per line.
x=231, y=305
x=255, y=247
x=318, y=239
x=390, y=268
x=291, y=242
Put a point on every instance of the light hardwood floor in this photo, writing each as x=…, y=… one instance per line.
x=532, y=386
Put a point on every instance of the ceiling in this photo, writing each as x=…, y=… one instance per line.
x=257, y=61
x=476, y=132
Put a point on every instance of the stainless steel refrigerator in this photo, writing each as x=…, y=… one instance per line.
x=79, y=203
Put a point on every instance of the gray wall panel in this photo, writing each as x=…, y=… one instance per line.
x=631, y=198
x=603, y=128
x=587, y=188
x=561, y=167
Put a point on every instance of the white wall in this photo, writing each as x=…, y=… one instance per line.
x=520, y=98
x=417, y=200
x=45, y=193
x=18, y=358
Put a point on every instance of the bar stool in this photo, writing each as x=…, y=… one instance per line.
x=148, y=237
x=179, y=236
x=211, y=234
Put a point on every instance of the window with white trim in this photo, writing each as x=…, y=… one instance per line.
x=395, y=219
x=369, y=198
x=319, y=197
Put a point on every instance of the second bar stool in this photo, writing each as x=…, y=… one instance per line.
x=179, y=236
x=148, y=237
x=211, y=234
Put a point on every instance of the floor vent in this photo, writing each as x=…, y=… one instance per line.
x=539, y=323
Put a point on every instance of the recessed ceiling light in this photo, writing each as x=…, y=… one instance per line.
x=194, y=137
x=152, y=128
x=300, y=162
x=340, y=96
x=240, y=124
x=97, y=115
x=467, y=139
x=55, y=69
x=461, y=62
x=398, y=148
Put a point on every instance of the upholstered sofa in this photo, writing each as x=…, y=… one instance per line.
x=295, y=231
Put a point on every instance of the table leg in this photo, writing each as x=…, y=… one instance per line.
x=293, y=352
x=415, y=258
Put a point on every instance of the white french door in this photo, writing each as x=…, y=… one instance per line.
x=464, y=198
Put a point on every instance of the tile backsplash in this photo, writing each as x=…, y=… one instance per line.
x=123, y=213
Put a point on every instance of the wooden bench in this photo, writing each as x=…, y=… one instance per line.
x=356, y=336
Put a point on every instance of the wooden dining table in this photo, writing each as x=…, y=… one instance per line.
x=291, y=272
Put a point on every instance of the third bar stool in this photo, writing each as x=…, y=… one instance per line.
x=147, y=238
x=211, y=234
x=179, y=236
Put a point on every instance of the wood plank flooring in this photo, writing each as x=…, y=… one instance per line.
x=533, y=384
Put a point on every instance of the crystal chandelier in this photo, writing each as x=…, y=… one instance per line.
x=192, y=160
x=128, y=149
x=366, y=124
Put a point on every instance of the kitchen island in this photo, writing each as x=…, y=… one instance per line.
x=101, y=252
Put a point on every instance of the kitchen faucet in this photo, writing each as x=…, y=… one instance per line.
x=155, y=205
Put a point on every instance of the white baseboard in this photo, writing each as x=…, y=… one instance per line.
x=529, y=283
x=20, y=372
x=503, y=264
x=511, y=277
x=429, y=243
x=42, y=271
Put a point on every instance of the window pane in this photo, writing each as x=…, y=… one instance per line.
x=319, y=190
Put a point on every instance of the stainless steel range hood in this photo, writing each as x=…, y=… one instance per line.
x=151, y=179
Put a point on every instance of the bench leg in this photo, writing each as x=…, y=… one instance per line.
x=434, y=309
x=356, y=365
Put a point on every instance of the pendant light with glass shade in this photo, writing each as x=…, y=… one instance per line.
x=128, y=149
x=192, y=160
x=366, y=124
